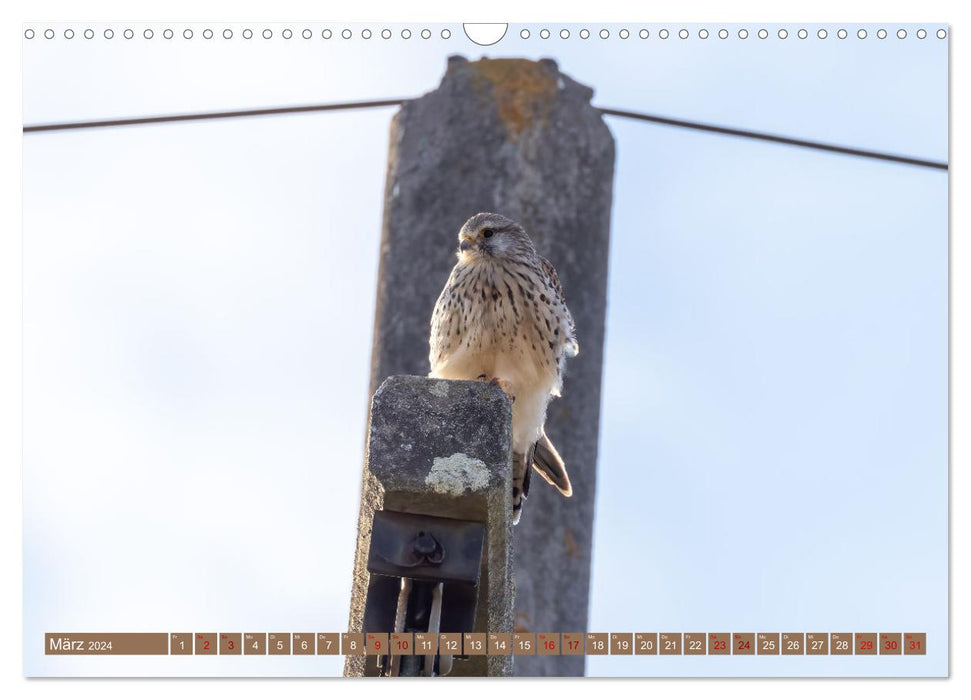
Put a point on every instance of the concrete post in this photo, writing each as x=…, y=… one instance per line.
x=519, y=138
x=442, y=448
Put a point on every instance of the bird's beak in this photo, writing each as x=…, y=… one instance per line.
x=465, y=244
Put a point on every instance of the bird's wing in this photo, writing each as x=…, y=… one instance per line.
x=439, y=327
x=572, y=347
x=551, y=276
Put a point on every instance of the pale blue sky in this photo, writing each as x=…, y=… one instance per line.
x=198, y=304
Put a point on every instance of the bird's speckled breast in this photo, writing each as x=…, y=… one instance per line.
x=500, y=315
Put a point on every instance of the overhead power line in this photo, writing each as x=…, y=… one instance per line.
x=773, y=138
x=203, y=116
x=367, y=104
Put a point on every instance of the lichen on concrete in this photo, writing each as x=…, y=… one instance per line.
x=523, y=90
x=453, y=475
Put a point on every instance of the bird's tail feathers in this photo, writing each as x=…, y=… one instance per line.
x=544, y=458
x=549, y=464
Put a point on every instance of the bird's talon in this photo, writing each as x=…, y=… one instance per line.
x=504, y=385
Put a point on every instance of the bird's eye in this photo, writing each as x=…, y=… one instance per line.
x=488, y=233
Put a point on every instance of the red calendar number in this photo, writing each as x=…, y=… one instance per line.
x=915, y=643
x=866, y=643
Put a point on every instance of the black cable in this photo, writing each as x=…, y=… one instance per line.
x=787, y=140
x=201, y=116
x=626, y=114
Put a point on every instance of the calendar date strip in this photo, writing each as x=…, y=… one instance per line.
x=487, y=644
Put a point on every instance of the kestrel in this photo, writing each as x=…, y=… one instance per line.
x=502, y=318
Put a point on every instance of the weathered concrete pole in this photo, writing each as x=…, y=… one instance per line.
x=519, y=138
x=441, y=448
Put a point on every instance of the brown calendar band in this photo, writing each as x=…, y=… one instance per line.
x=765, y=644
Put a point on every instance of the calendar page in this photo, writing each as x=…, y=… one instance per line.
x=545, y=349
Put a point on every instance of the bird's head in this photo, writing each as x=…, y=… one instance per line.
x=487, y=236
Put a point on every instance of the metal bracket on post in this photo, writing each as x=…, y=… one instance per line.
x=424, y=575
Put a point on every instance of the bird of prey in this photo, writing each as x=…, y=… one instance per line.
x=502, y=318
